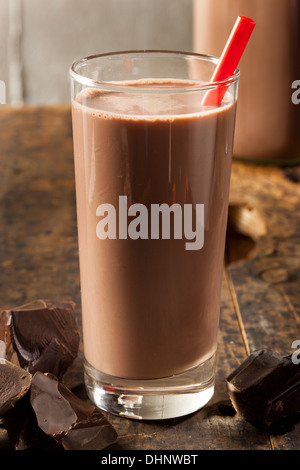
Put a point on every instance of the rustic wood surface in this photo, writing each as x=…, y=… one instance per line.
x=260, y=292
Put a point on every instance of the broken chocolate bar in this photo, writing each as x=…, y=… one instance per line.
x=22, y=428
x=14, y=384
x=72, y=422
x=41, y=336
x=265, y=387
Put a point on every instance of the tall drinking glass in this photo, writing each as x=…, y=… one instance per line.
x=152, y=168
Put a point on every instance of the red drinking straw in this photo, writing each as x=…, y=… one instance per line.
x=229, y=59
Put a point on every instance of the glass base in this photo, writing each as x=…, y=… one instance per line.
x=165, y=398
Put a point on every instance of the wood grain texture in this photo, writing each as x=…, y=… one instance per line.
x=260, y=292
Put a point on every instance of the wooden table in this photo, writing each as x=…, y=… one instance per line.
x=260, y=294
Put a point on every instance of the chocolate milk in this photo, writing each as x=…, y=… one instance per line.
x=267, y=125
x=150, y=306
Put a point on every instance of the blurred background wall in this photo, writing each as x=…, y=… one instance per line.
x=39, y=39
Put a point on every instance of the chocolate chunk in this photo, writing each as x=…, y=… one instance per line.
x=22, y=427
x=43, y=335
x=14, y=384
x=74, y=423
x=265, y=387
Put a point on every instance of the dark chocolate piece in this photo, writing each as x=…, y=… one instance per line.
x=22, y=428
x=265, y=387
x=43, y=334
x=14, y=384
x=74, y=423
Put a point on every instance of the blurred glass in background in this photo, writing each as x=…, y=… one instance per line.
x=268, y=121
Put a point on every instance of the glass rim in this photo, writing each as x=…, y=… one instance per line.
x=111, y=86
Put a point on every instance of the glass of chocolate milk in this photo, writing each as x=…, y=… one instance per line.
x=152, y=168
